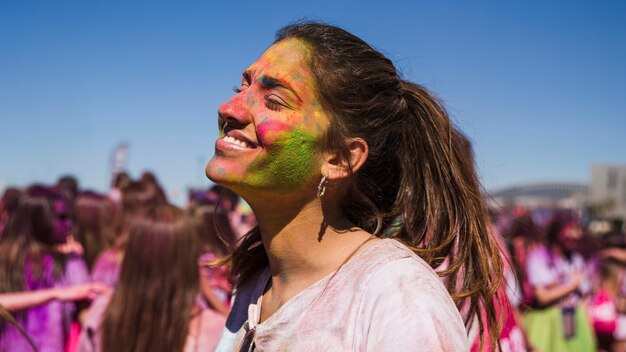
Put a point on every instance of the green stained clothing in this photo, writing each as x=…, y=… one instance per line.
x=545, y=331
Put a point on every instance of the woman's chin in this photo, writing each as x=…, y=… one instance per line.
x=220, y=174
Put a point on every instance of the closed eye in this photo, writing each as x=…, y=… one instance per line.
x=274, y=102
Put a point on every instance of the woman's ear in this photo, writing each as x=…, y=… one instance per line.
x=338, y=166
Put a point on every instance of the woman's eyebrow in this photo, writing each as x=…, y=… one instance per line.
x=247, y=76
x=272, y=82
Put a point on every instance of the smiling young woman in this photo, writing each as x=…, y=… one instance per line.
x=360, y=188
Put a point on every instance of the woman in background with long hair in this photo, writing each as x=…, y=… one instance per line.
x=217, y=240
x=138, y=199
x=96, y=224
x=30, y=260
x=155, y=305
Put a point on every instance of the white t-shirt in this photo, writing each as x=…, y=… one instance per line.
x=545, y=269
x=385, y=298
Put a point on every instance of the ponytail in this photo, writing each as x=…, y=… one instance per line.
x=443, y=211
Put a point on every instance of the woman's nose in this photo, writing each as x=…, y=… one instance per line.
x=235, y=111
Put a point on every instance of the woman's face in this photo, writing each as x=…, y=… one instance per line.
x=570, y=236
x=62, y=221
x=270, y=129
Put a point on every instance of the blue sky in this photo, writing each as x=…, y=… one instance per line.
x=537, y=86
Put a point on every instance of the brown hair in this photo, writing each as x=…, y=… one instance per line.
x=153, y=301
x=214, y=228
x=96, y=220
x=9, y=202
x=418, y=173
x=138, y=200
x=28, y=238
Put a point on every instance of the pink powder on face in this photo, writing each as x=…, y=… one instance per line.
x=267, y=126
x=234, y=106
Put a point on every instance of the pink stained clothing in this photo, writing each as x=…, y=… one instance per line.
x=385, y=298
x=511, y=337
x=107, y=267
x=48, y=324
x=204, y=329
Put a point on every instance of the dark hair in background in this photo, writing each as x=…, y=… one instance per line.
x=121, y=180
x=69, y=184
x=149, y=179
x=523, y=226
x=214, y=228
x=417, y=169
x=559, y=221
x=153, y=301
x=138, y=199
x=30, y=236
x=95, y=224
x=226, y=198
x=10, y=200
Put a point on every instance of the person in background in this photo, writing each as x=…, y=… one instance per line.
x=96, y=224
x=138, y=200
x=558, y=276
x=69, y=184
x=150, y=180
x=19, y=301
x=216, y=241
x=155, y=306
x=524, y=237
x=120, y=182
x=30, y=260
x=8, y=205
x=607, y=307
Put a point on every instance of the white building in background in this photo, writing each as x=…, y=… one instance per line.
x=544, y=195
x=608, y=189
x=604, y=196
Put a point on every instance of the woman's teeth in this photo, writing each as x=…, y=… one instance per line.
x=238, y=142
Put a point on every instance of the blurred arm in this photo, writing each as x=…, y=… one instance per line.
x=16, y=301
x=549, y=295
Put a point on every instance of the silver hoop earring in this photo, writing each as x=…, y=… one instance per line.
x=321, y=188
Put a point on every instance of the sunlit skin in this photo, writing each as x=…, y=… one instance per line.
x=277, y=169
x=280, y=126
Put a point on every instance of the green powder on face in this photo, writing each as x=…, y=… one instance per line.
x=291, y=163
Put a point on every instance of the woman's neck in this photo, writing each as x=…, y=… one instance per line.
x=305, y=242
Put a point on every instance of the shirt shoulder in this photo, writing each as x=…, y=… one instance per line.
x=539, y=268
x=406, y=305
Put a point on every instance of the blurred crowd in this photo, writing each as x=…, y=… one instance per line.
x=122, y=271
x=128, y=271
x=566, y=286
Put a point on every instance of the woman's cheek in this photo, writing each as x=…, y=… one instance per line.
x=270, y=129
x=290, y=164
